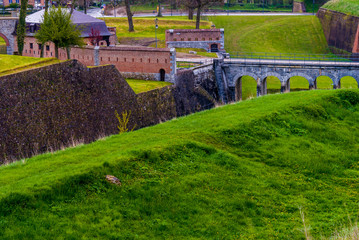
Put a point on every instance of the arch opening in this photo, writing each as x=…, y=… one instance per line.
x=324, y=82
x=4, y=43
x=214, y=47
x=246, y=88
x=297, y=83
x=348, y=82
x=273, y=84
x=162, y=75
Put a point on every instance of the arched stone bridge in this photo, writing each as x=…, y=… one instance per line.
x=230, y=71
x=7, y=28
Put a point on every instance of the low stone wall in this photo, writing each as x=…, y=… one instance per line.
x=298, y=7
x=48, y=108
x=340, y=30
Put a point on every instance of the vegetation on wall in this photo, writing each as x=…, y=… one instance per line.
x=350, y=7
x=244, y=171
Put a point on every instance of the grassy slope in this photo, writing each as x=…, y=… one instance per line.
x=2, y=41
x=11, y=63
x=238, y=171
x=350, y=7
x=140, y=86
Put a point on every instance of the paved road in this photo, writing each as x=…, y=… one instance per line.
x=96, y=12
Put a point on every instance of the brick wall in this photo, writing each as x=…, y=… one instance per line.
x=195, y=38
x=149, y=61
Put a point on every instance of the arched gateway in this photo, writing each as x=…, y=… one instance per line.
x=7, y=29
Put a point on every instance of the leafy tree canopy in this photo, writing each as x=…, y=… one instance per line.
x=58, y=28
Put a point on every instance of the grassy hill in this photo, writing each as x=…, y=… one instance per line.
x=350, y=7
x=241, y=171
x=272, y=34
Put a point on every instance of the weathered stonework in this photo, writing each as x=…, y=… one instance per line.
x=228, y=75
x=196, y=38
x=340, y=30
x=298, y=7
x=7, y=28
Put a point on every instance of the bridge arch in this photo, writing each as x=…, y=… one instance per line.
x=332, y=79
x=237, y=80
x=288, y=76
x=354, y=76
x=5, y=39
x=264, y=82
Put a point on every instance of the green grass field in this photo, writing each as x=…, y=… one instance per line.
x=350, y=7
x=11, y=63
x=240, y=171
x=145, y=28
x=272, y=34
x=140, y=86
x=2, y=41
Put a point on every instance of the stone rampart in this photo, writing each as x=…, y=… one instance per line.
x=340, y=30
x=47, y=108
x=298, y=7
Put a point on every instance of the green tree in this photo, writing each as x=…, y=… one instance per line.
x=21, y=29
x=58, y=28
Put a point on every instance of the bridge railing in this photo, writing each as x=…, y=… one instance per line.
x=296, y=56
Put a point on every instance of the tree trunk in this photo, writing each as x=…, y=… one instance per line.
x=68, y=53
x=56, y=51
x=198, y=20
x=159, y=9
x=85, y=6
x=190, y=13
x=129, y=16
x=42, y=50
x=46, y=5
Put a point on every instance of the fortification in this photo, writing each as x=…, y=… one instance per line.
x=47, y=108
x=212, y=40
x=340, y=30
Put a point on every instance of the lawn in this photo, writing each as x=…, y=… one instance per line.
x=2, y=41
x=241, y=171
x=145, y=28
x=272, y=34
x=11, y=63
x=140, y=86
x=350, y=7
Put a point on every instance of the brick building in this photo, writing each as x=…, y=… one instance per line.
x=34, y=3
x=212, y=40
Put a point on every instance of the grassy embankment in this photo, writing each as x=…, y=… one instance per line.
x=350, y=7
x=143, y=85
x=241, y=171
x=145, y=31
x=11, y=64
x=274, y=35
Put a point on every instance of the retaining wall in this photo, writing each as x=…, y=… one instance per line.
x=47, y=108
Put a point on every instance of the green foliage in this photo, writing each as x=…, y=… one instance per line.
x=123, y=121
x=58, y=28
x=21, y=28
x=242, y=176
x=350, y=7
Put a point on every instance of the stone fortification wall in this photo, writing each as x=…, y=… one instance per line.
x=195, y=38
x=340, y=30
x=7, y=26
x=47, y=108
x=298, y=7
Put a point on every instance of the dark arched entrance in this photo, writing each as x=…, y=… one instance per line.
x=214, y=48
x=162, y=75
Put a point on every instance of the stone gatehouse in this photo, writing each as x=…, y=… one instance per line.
x=212, y=40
